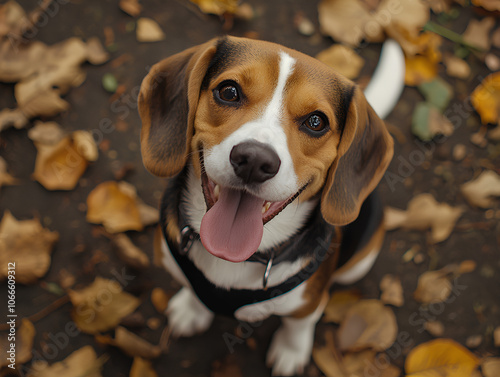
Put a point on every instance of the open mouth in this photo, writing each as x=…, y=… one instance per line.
x=233, y=226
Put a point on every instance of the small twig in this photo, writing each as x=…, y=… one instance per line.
x=42, y=313
x=449, y=34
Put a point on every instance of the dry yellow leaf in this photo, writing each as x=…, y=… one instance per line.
x=114, y=205
x=142, y=368
x=479, y=191
x=129, y=253
x=425, y=212
x=392, y=290
x=217, y=7
x=131, y=344
x=101, y=306
x=433, y=286
x=440, y=358
x=148, y=30
x=28, y=245
x=486, y=99
x=25, y=336
x=343, y=59
x=368, y=324
x=419, y=69
x=340, y=302
x=83, y=362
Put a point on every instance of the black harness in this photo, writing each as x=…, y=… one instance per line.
x=314, y=241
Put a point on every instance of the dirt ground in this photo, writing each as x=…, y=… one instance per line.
x=472, y=309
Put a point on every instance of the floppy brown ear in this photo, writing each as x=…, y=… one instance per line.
x=167, y=103
x=364, y=153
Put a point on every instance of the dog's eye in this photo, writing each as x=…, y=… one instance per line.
x=315, y=125
x=228, y=93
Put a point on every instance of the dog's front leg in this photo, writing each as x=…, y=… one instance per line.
x=187, y=316
x=291, y=347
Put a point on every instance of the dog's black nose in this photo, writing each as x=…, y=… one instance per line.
x=254, y=162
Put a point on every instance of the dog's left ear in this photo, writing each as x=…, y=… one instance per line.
x=167, y=105
x=364, y=152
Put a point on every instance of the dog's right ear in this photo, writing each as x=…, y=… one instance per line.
x=167, y=103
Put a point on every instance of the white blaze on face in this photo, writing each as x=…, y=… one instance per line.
x=267, y=129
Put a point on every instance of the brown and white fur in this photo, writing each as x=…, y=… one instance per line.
x=198, y=105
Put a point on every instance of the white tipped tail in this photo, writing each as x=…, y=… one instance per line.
x=388, y=80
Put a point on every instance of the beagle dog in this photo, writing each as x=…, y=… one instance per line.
x=273, y=159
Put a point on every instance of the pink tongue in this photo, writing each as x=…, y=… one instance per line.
x=232, y=229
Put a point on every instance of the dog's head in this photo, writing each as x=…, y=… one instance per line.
x=262, y=125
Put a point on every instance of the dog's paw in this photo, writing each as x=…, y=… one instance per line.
x=289, y=352
x=187, y=316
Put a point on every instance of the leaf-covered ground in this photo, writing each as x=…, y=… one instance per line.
x=77, y=205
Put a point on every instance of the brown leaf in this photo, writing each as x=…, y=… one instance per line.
x=129, y=253
x=11, y=15
x=433, y=286
x=82, y=362
x=217, y=7
x=368, y=324
x=148, y=30
x=131, y=7
x=343, y=59
x=351, y=21
x=477, y=33
x=101, y=306
x=491, y=367
x=479, y=191
x=24, y=338
x=20, y=61
x=28, y=245
x=392, y=290
x=60, y=166
x=49, y=133
x=115, y=206
x=435, y=328
x=5, y=178
x=328, y=359
x=47, y=103
x=131, y=344
x=456, y=67
x=12, y=118
x=160, y=299
x=96, y=54
x=440, y=357
x=340, y=302
x=142, y=368
x=424, y=212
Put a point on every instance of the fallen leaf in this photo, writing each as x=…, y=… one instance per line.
x=11, y=15
x=351, y=21
x=340, y=302
x=217, y=7
x=392, y=290
x=160, y=299
x=148, y=30
x=131, y=7
x=20, y=61
x=24, y=339
x=491, y=5
x=115, y=206
x=435, y=328
x=425, y=212
x=474, y=341
x=356, y=363
x=142, y=368
x=328, y=360
x=491, y=367
x=486, y=99
x=477, y=33
x=428, y=122
x=437, y=92
x=59, y=166
x=129, y=253
x=5, y=178
x=47, y=103
x=440, y=357
x=96, y=54
x=433, y=286
x=492, y=61
x=368, y=324
x=479, y=191
x=12, y=118
x=27, y=244
x=456, y=67
x=343, y=59
x=48, y=133
x=101, y=306
x=466, y=267
x=131, y=344
x=83, y=362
